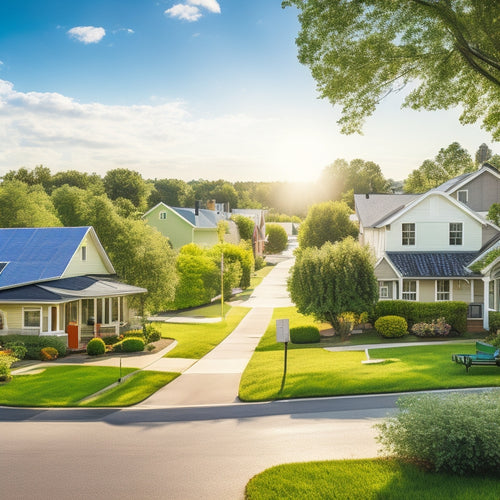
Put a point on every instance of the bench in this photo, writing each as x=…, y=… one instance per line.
x=486, y=355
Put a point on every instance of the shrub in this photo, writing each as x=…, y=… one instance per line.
x=34, y=344
x=133, y=333
x=111, y=339
x=132, y=344
x=96, y=347
x=48, y=354
x=277, y=239
x=18, y=349
x=245, y=226
x=344, y=323
x=456, y=433
x=304, y=334
x=391, y=326
x=5, y=364
x=494, y=319
x=438, y=328
x=455, y=312
x=259, y=262
x=151, y=334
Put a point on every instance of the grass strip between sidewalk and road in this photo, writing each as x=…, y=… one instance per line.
x=197, y=339
x=367, y=479
x=133, y=390
x=312, y=371
x=66, y=386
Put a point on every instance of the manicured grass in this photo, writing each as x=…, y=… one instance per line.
x=313, y=371
x=373, y=479
x=58, y=385
x=134, y=389
x=210, y=311
x=197, y=339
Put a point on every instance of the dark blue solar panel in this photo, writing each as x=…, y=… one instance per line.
x=37, y=254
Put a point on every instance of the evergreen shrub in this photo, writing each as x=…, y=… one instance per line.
x=96, y=346
x=391, y=326
x=35, y=343
x=304, y=334
x=132, y=344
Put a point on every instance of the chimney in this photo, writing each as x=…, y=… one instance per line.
x=197, y=207
x=211, y=205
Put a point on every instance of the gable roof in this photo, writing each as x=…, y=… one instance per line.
x=373, y=208
x=206, y=219
x=34, y=255
x=433, y=192
x=432, y=264
x=457, y=182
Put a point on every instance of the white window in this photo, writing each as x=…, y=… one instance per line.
x=408, y=233
x=84, y=253
x=163, y=215
x=443, y=290
x=456, y=233
x=463, y=195
x=409, y=290
x=32, y=317
x=385, y=289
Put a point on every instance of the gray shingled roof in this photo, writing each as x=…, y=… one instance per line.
x=377, y=207
x=204, y=219
x=433, y=264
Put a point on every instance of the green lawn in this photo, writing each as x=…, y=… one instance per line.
x=373, y=479
x=313, y=371
x=58, y=385
x=197, y=339
x=67, y=385
x=134, y=389
x=209, y=311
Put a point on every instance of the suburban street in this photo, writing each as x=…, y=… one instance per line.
x=176, y=453
x=168, y=448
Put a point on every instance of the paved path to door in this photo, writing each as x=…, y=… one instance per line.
x=215, y=378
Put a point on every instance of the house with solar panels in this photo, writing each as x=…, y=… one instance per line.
x=191, y=225
x=433, y=247
x=59, y=281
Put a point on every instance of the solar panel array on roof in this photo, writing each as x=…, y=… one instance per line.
x=37, y=254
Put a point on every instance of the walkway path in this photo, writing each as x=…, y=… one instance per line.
x=215, y=378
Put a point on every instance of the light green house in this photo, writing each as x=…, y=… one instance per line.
x=185, y=225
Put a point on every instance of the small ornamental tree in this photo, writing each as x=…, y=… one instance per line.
x=332, y=280
x=245, y=226
x=328, y=221
x=277, y=239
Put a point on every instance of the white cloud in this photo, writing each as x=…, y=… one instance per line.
x=211, y=5
x=185, y=12
x=87, y=34
x=159, y=140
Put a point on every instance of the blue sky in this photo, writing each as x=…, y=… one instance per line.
x=186, y=89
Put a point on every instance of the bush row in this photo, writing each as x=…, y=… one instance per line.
x=34, y=344
x=454, y=312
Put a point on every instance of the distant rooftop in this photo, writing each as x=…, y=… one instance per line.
x=374, y=208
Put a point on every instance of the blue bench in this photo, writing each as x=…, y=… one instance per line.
x=486, y=355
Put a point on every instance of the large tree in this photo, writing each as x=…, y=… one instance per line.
x=359, y=51
x=332, y=280
x=328, y=221
x=172, y=192
x=26, y=206
x=448, y=163
x=124, y=183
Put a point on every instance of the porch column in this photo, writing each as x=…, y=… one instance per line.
x=95, y=318
x=400, y=293
x=472, y=282
x=486, y=307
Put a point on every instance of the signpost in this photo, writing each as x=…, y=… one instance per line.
x=283, y=335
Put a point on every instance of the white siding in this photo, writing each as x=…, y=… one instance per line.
x=92, y=265
x=375, y=238
x=432, y=218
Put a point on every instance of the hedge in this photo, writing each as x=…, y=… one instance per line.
x=494, y=321
x=304, y=334
x=454, y=312
x=34, y=344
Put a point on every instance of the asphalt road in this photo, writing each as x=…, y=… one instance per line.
x=176, y=453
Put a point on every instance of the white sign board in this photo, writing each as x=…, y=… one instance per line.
x=282, y=330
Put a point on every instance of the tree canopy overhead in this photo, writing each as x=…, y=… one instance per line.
x=359, y=51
